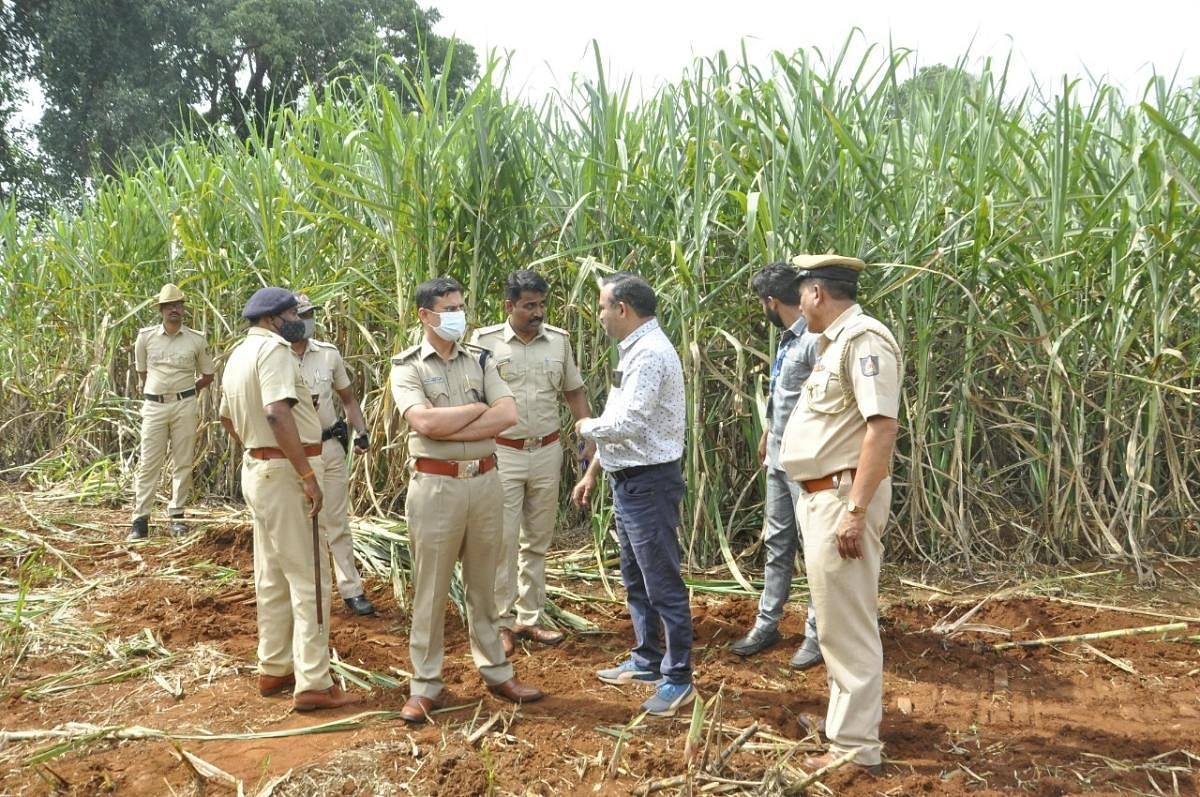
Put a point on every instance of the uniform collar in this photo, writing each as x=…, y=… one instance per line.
x=308, y=346
x=510, y=333
x=427, y=349
x=835, y=329
x=256, y=330
x=162, y=329
x=637, y=334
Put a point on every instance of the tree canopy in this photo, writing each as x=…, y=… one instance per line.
x=121, y=76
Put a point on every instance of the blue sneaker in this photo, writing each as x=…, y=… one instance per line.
x=627, y=672
x=668, y=697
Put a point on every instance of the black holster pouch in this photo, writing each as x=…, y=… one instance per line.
x=340, y=432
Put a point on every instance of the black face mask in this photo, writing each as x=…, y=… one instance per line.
x=291, y=331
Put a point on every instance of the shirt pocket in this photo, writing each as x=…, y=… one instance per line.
x=794, y=374
x=552, y=370
x=507, y=370
x=437, y=393
x=824, y=394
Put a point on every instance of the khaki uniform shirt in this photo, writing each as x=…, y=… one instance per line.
x=171, y=362
x=825, y=432
x=324, y=372
x=537, y=373
x=262, y=370
x=420, y=376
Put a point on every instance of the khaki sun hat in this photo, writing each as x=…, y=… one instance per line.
x=834, y=267
x=170, y=293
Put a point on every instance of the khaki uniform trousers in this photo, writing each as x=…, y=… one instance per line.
x=289, y=639
x=173, y=421
x=845, y=595
x=530, y=480
x=451, y=519
x=335, y=519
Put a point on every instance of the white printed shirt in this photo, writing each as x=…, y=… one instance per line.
x=643, y=419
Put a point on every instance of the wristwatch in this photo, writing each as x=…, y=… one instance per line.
x=855, y=509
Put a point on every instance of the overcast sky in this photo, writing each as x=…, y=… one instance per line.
x=654, y=40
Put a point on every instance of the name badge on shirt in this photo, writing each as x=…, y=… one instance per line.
x=616, y=379
x=429, y=380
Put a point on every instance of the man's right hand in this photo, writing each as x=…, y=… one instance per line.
x=762, y=449
x=312, y=491
x=581, y=493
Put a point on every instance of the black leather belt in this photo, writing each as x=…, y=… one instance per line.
x=165, y=397
x=637, y=470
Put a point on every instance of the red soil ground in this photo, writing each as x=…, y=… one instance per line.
x=959, y=717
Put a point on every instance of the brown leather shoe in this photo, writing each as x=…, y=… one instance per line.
x=538, y=633
x=315, y=699
x=818, y=762
x=506, y=639
x=274, y=684
x=517, y=692
x=416, y=709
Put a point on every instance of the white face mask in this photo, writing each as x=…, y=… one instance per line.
x=310, y=327
x=453, y=326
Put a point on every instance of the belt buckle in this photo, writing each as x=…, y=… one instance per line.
x=836, y=478
x=532, y=443
x=468, y=469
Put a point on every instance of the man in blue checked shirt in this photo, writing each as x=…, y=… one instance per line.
x=776, y=287
x=639, y=443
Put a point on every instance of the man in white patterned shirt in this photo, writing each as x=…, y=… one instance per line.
x=639, y=442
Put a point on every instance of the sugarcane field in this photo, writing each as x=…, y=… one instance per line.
x=819, y=425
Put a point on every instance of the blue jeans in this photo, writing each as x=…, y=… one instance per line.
x=646, y=505
x=781, y=541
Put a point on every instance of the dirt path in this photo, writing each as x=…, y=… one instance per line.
x=959, y=717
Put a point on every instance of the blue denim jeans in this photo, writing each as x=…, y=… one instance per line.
x=646, y=505
x=781, y=541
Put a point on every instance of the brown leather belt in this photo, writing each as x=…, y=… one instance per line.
x=163, y=398
x=829, y=482
x=528, y=443
x=274, y=453
x=456, y=468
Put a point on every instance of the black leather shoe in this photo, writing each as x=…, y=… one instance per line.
x=807, y=655
x=139, y=530
x=758, y=640
x=360, y=605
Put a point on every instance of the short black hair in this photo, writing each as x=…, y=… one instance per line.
x=838, y=289
x=430, y=291
x=525, y=280
x=778, y=280
x=628, y=288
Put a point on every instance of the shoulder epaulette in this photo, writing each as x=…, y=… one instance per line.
x=321, y=344
x=406, y=354
x=150, y=328
x=197, y=332
x=482, y=352
x=559, y=330
x=488, y=330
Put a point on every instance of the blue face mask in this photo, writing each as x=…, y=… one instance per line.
x=453, y=326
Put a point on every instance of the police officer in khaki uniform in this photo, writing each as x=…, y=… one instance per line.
x=325, y=374
x=267, y=409
x=536, y=361
x=454, y=403
x=174, y=365
x=838, y=445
